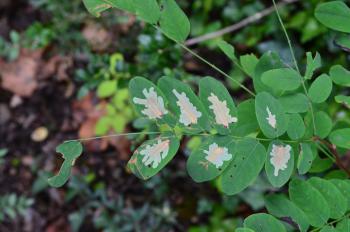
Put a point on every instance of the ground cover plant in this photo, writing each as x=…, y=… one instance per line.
x=281, y=128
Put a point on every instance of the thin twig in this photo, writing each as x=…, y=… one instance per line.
x=334, y=152
x=243, y=23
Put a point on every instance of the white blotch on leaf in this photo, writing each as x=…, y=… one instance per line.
x=154, y=154
x=154, y=104
x=221, y=111
x=217, y=155
x=189, y=113
x=271, y=119
x=280, y=156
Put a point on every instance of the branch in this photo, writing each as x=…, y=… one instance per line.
x=245, y=22
x=334, y=152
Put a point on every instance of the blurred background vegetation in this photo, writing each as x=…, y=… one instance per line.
x=64, y=74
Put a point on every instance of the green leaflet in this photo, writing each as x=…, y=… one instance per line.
x=127, y=5
x=147, y=10
x=335, y=15
x=262, y=222
x=280, y=206
x=343, y=99
x=296, y=127
x=96, y=7
x=343, y=42
x=279, y=163
x=173, y=21
x=309, y=200
x=228, y=49
x=70, y=151
x=211, y=158
x=219, y=104
x=270, y=114
x=149, y=101
x=247, y=123
x=336, y=201
x=320, y=89
x=305, y=158
x=323, y=124
x=248, y=63
x=344, y=187
x=107, y=88
x=340, y=75
x=295, y=103
x=245, y=167
x=343, y=225
x=186, y=106
x=267, y=62
x=285, y=79
x=312, y=64
x=340, y=138
x=153, y=155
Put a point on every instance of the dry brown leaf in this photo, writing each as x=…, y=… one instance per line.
x=19, y=76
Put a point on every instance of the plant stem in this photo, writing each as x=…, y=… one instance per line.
x=114, y=135
x=295, y=62
x=287, y=36
x=216, y=68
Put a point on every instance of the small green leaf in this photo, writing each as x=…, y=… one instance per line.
x=305, y=158
x=285, y=79
x=173, y=21
x=336, y=201
x=153, y=155
x=149, y=101
x=249, y=63
x=313, y=63
x=188, y=109
x=279, y=163
x=342, y=99
x=96, y=7
x=219, y=104
x=107, y=88
x=127, y=5
x=244, y=230
x=343, y=41
x=309, y=200
x=340, y=75
x=320, y=89
x=70, y=150
x=343, y=225
x=267, y=62
x=296, y=127
x=228, y=49
x=335, y=15
x=340, y=138
x=328, y=229
x=296, y=103
x=211, y=158
x=323, y=124
x=271, y=117
x=247, y=123
x=147, y=10
x=280, y=206
x=262, y=222
x=245, y=167
x=344, y=188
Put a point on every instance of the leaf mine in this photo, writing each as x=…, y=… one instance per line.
x=217, y=155
x=221, y=111
x=154, y=104
x=280, y=156
x=154, y=154
x=189, y=113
